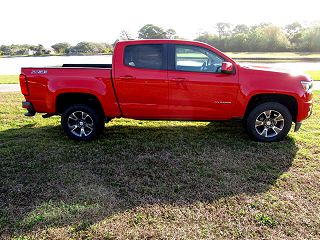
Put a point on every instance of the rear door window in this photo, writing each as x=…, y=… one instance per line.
x=150, y=56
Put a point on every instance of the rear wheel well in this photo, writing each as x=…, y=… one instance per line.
x=64, y=100
x=286, y=100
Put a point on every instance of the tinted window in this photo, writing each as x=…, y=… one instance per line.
x=197, y=59
x=144, y=56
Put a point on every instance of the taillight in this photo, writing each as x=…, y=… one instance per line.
x=24, y=85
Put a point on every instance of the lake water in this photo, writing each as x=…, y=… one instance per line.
x=13, y=65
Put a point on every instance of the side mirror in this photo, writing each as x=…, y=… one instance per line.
x=227, y=67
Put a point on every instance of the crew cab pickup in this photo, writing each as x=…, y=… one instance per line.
x=168, y=80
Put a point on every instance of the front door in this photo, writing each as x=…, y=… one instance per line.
x=197, y=88
x=141, y=81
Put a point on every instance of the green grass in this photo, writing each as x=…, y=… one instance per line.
x=8, y=79
x=156, y=180
x=314, y=74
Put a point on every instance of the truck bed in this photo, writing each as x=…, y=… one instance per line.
x=46, y=85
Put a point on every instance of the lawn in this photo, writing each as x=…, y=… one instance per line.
x=7, y=79
x=156, y=180
x=314, y=74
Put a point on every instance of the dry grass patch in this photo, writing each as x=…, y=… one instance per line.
x=9, y=79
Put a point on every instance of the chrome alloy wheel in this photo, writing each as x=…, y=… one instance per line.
x=269, y=123
x=80, y=124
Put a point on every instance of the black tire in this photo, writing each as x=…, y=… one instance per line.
x=269, y=122
x=81, y=122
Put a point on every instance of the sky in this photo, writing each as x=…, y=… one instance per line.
x=51, y=21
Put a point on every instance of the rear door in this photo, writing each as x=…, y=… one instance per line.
x=140, y=75
x=197, y=88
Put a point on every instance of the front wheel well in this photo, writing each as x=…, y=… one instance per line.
x=288, y=101
x=64, y=100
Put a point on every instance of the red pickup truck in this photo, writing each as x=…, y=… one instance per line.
x=168, y=80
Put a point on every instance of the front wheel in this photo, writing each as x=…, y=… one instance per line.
x=269, y=122
x=80, y=122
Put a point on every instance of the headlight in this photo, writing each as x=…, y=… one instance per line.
x=307, y=86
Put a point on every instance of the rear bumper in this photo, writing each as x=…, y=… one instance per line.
x=297, y=126
x=28, y=105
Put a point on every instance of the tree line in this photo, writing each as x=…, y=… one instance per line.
x=263, y=37
x=62, y=48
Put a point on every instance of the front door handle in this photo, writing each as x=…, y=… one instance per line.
x=127, y=77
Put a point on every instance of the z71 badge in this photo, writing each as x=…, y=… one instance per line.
x=39, y=71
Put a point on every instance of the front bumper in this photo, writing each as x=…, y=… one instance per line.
x=305, y=110
x=28, y=105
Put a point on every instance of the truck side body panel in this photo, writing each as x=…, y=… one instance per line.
x=166, y=93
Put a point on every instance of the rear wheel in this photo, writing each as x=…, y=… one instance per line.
x=269, y=122
x=80, y=122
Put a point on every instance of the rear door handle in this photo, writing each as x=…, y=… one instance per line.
x=179, y=79
x=128, y=77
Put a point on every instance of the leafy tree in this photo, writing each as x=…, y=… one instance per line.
x=151, y=31
x=267, y=37
x=213, y=40
x=262, y=37
x=260, y=25
x=273, y=39
x=311, y=39
x=61, y=47
x=125, y=35
x=241, y=28
x=238, y=42
x=223, y=29
x=6, y=50
x=171, y=34
x=108, y=50
x=294, y=33
x=85, y=47
x=90, y=47
x=40, y=50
